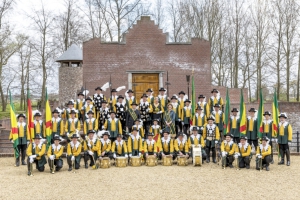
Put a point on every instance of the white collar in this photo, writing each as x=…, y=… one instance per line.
x=39, y=146
x=155, y=126
x=245, y=146
x=284, y=124
x=204, y=102
x=193, y=136
x=267, y=121
x=179, y=142
x=56, y=119
x=217, y=97
x=128, y=98
x=75, y=120
x=23, y=124
x=91, y=105
x=161, y=96
x=105, y=109
x=115, y=119
x=137, y=137
x=163, y=140
x=54, y=146
x=88, y=119
x=264, y=147
x=219, y=111
x=75, y=145
x=119, y=143
x=174, y=104
x=79, y=100
x=40, y=122
x=189, y=107
x=119, y=104
x=93, y=140
x=236, y=117
x=146, y=102
x=103, y=141
x=101, y=95
x=201, y=115
x=249, y=117
x=150, y=142
x=229, y=143
x=138, y=126
x=213, y=126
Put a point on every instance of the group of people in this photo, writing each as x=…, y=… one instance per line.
x=157, y=126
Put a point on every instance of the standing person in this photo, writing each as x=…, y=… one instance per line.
x=199, y=119
x=73, y=152
x=235, y=125
x=156, y=130
x=36, y=154
x=186, y=114
x=130, y=99
x=119, y=147
x=228, y=148
x=113, y=125
x=54, y=154
x=23, y=137
x=268, y=130
x=72, y=124
x=135, y=144
x=39, y=126
x=57, y=125
x=132, y=115
x=113, y=100
x=98, y=98
x=79, y=104
x=145, y=110
x=177, y=110
x=263, y=154
x=169, y=120
x=91, y=147
x=218, y=115
x=215, y=99
x=182, y=97
x=163, y=99
x=284, y=139
x=202, y=104
x=90, y=123
x=138, y=125
x=157, y=110
x=252, y=128
x=103, y=115
x=243, y=153
x=121, y=109
x=87, y=107
x=211, y=136
x=66, y=114
x=150, y=97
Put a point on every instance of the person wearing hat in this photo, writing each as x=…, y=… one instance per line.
x=130, y=99
x=91, y=147
x=199, y=119
x=284, y=137
x=163, y=99
x=119, y=147
x=252, y=128
x=157, y=110
x=90, y=123
x=138, y=125
x=23, y=139
x=105, y=145
x=150, y=146
x=156, y=130
x=132, y=114
x=182, y=97
x=39, y=126
x=196, y=139
x=36, y=154
x=204, y=105
x=113, y=125
x=121, y=109
x=211, y=135
x=135, y=143
x=166, y=146
x=145, y=111
x=177, y=111
x=268, y=130
x=181, y=145
x=66, y=113
x=87, y=107
x=57, y=124
x=215, y=99
x=243, y=153
x=113, y=99
x=263, y=154
x=228, y=149
x=103, y=115
x=235, y=125
x=185, y=116
x=54, y=154
x=98, y=98
x=219, y=117
x=72, y=125
x=169, y=120
x=150, y=97
x=74, y=152
x=79, y=104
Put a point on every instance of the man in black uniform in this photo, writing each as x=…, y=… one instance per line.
x=132, y=115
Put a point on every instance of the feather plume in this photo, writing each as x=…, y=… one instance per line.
x=59, y=110
x=126, y=94
x=35, y=111
x=120, y=88
x=105, y=86
x=85, y=92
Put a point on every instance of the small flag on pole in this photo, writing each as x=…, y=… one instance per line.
x=243, y=119
x=48, y=121
x=14, y=136
x=227, y=114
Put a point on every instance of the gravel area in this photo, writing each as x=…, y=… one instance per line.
x=160, y=182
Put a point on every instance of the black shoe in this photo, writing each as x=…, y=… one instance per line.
x=28, y=173
x=23, y=162
x=17, y=162
x=272, y=162
x=70, y=169
x=247, y=166
x=214, y=160
x=231, y=166
x=281, y=162
x=267, y=168
x=288, y=163
x=207, y=160
x=86, y=165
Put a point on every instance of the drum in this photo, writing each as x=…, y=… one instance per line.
x=105, y=163
x=167, y=160
x=135, y=161
x=151, y=161
x=121, y=161
x=197, y=155
x=182, y=161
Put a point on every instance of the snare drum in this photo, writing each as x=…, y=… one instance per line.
x=197, y=155
x=135, y=161
x=167, y=160
x=105, y=163
x=151, y=161
x=182, y=161
x=121, y=161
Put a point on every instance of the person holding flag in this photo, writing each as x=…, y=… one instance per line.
x=252, y=128
x=57, y=124
x=39, y=126
x=284, y=139
x=235, y=125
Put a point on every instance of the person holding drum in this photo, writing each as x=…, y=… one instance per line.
x=181, y=146
x=54, y=154
x=243, y=153
x=228, y=148
x=119, y=147
x=73, y=152
x=105, y=146
x=211, y=135
x=196, y=139
x=91, y=147
x=135, y=143
x=166, y=146
x=150, y=146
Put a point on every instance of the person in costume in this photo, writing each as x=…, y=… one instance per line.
x=284, y=137
x=105, y=145
x=167, y=145
x=130, y=99
x=157, y=110
x=92, y=151
x=145, y=111
x=66, y=113
x=121, y=110
x=150, y=146
x=87, y=107
x=235, y=125
x=113, y=125
x=90, y=123
x=57, y=125
x=36, y=154
x=263, y=154
x=211, y=136
x=199, y=119
x=203, y=104
x=103, y=114
x=138, y=125
x=163, y=99
x=79, y=104
x=215, y=99
x=219, y=117
x=177, y=111
x=252, y=128
x=243, y=153
x=39, y=126
x=268, y=129
x=169, y=120
x=186, y=114
x=54, y=154
x=150, y=97
x=98, y=98
x=72, y=124
x=74, y=152
x=197, y=139
x=132, y=115
x=181, y=145
x=228, y=149
x=135, y=143
x=181, y=99
x=119, y=147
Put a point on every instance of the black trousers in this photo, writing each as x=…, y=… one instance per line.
x=166, y=153
x=22, y=150
x=40, y=169
x=146, y=125
x=77, y=164
x=57, y=162
x=236, y=140
x=254, y=142
x=87, y=157
x=267, y=160
x=107, y=154
x=229, y=160
x=186, y=127
x=284, y=147
x=244, y=161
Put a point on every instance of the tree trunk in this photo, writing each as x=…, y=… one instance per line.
x=298, y=78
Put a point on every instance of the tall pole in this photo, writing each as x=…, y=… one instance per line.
x=168, y=83
x=188, y=90
x=110, y=85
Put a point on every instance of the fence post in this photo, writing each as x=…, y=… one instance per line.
x=297, y=141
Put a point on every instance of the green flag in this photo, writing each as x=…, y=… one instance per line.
x=227, y=114
x=193, y=98
x=260, y=115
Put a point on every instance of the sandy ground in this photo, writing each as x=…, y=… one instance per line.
x=160, y=182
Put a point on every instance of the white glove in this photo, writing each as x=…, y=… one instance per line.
x=147, y=110
x=140, y=154
x=31, y=160
x=216, y=142
x=51, y=157
x=223, y=153
x=28, y=143
x=259, y=156
x=273, y=139
x=32, y=156
x=160, y=131
x=130, y=155
x=89, y=144
x=290, y=143
x=201, y=128
x=204, y=141
x=115, y=155
x=236, y=156
x=91, y=153
x=103, y=127
x=126, y=156
x=72, y=158
x=179, y=120
x=11, y=141
x=159, y=112
x=182, y=123
x=68, y=134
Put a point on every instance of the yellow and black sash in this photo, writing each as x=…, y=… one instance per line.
x=132, y=114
